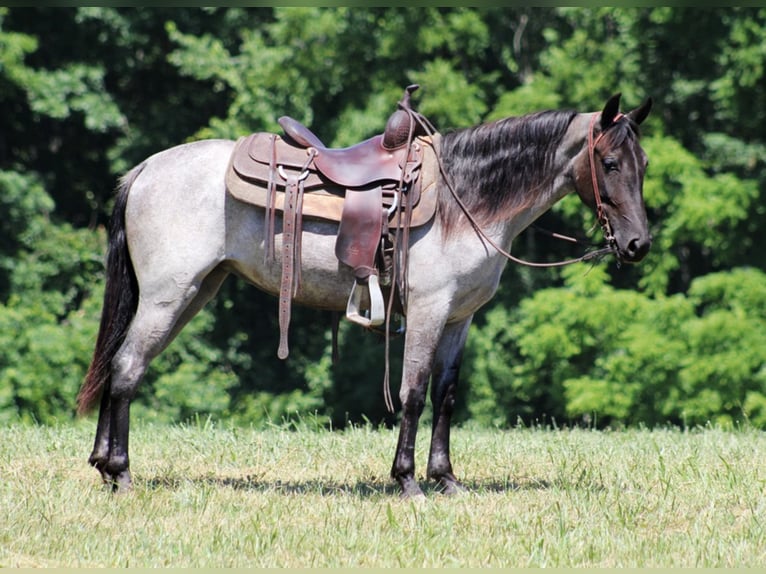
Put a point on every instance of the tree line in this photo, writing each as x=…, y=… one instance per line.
x=86, y=93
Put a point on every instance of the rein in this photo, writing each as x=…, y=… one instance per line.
x=600, y=215
x=597, y=254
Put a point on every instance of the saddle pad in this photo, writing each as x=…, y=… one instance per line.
x=323, y=200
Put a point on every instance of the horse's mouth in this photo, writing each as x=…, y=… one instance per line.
x=635, y=250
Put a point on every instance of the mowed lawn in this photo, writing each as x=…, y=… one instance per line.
x=210, y=495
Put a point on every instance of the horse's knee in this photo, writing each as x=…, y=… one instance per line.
x=413, y=401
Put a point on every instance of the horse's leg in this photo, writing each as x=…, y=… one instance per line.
x=419, y=346
x=449, y=354
x=100, y=453
x=155, y=325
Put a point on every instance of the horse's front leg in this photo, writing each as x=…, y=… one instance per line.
x=446, y=370
x=418, y=357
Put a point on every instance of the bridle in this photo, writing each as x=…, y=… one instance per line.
x=600, y=214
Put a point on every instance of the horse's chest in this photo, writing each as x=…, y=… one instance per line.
x=474, y=289
x=458, y=283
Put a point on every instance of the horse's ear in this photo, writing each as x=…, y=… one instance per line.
x=639, y=114
x=611, y=109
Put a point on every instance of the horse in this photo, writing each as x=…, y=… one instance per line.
x=176, y=234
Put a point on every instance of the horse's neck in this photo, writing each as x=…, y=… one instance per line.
x=572, y=145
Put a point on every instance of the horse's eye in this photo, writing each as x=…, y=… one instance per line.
x=610, y=164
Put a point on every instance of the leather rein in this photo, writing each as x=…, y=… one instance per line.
x=600, y=215
x=417, y=118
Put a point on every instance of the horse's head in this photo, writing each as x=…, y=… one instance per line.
x=609, y=177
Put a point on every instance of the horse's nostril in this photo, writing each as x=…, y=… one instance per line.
x=638, y=247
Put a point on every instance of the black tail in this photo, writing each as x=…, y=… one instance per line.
x=120, y=302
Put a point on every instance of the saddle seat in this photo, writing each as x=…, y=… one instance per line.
x=362, y=164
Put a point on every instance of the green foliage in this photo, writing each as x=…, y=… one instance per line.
x=87, y=93
x=24, y=206
x=43, y=362
x=612, y=356
x=13, y=48
x=739, y=90
x=701, y=216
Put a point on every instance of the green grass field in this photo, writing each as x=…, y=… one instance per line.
x=236, y=497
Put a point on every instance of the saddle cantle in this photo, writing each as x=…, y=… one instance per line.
x=299, y=133
x=372, y=189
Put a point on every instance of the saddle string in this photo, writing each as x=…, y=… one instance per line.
x=270, y=213
x=291, y=248
x=401, y=236
x=401, y=241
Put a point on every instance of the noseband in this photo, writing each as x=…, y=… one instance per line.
x=600, y=215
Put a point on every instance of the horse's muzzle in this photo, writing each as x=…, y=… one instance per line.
x=635, y=249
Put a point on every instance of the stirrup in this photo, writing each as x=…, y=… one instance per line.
x=373, y=316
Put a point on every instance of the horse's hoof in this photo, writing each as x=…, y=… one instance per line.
x=453, y=487
x=410, y=489
x=417, y=496
x=449, y=485
x=122, y=483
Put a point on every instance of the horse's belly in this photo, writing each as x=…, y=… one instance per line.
x=323, y=282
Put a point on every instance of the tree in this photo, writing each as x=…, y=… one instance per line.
x=87, y=93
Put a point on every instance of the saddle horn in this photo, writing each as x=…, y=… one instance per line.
x=399, y=125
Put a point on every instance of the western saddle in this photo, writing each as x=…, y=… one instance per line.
x=372, y=189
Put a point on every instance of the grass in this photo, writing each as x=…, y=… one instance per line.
x=214, y=496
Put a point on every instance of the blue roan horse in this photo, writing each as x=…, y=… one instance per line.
x=177, y=234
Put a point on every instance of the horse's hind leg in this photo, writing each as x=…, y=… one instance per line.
x=155, y=325
x=446, y=370
x=100, y=454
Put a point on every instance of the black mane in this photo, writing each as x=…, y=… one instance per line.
x=499, y=166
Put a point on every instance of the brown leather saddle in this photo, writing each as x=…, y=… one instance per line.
x=372, y=189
